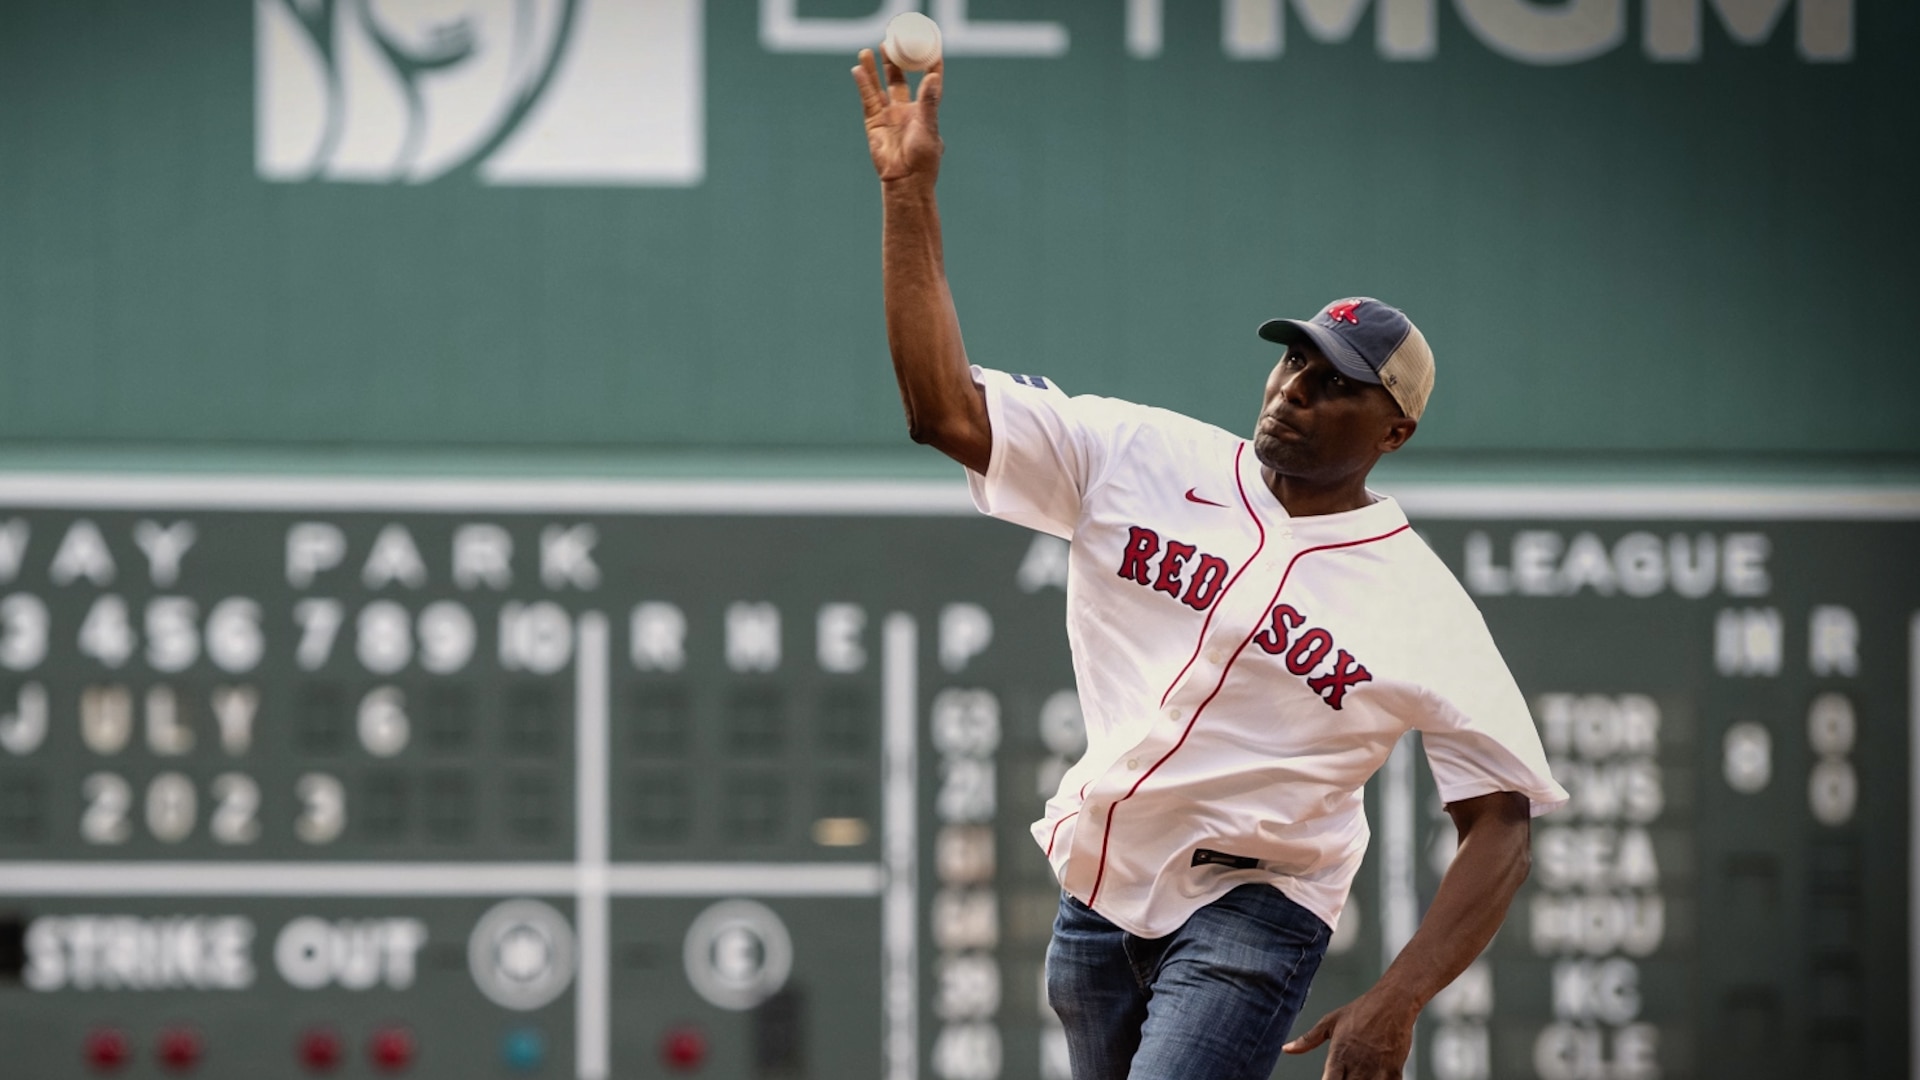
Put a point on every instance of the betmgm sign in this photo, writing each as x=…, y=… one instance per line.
x=516, y=92
x=611, y=92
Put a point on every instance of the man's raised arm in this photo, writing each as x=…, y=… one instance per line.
x=944, y=408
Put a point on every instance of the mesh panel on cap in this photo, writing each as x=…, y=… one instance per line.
x=1408, y=373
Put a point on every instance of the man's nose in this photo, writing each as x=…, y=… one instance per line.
x=1296, y=388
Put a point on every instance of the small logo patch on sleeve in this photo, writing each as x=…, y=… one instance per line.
x=1034, y=381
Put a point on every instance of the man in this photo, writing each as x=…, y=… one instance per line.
x=1253, y=630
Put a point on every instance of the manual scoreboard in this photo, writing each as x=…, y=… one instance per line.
x=459, y=779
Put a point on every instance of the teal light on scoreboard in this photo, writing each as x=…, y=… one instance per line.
x=454, y=779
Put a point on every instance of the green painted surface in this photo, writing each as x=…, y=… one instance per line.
x=1700, y=260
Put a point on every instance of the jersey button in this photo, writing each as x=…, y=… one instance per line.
x=1133, y=763
x=1173, y=713
x=1214, y=656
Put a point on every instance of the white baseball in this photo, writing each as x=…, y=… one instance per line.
x=912, y=41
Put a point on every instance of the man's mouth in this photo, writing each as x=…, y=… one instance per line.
x=1278, y=428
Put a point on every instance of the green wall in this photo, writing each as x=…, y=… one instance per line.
x=1615, y=256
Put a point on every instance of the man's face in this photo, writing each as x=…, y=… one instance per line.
x=1317, y=424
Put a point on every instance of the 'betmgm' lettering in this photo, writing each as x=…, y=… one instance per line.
x=514, y=92
x=611, y=92
x=1528, y=31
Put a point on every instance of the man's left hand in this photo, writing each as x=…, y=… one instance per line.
x=1371, y=1037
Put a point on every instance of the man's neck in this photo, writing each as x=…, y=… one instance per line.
x=1307, y=498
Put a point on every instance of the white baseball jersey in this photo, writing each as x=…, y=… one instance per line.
x=1242, y=672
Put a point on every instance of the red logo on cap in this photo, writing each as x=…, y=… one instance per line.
x=1344, y=311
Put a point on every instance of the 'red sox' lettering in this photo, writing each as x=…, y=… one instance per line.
x=1304, y=653
x=1206, y=574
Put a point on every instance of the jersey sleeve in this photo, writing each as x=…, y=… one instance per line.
x=1479, y=736
x=1048, y=451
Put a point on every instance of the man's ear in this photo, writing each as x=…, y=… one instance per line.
x=1399, y=430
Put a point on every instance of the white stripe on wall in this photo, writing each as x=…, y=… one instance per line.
x=906, y=498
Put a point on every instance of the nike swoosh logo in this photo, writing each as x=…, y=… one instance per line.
x=1191, y=497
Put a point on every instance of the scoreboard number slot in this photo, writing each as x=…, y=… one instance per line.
x=170, y=809
x=323, y=808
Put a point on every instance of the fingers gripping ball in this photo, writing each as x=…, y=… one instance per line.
x=912, y=41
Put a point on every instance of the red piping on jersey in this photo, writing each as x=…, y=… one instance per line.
x=1106, y=835
x=1222, y=598
x=1056, y=832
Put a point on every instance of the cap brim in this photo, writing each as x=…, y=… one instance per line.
x=1294, y=331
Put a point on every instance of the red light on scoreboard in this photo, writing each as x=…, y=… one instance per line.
x=321, y=1050
x=684, y=1049
x=179, y=1049
x=107, y=1049
x=392, y=1049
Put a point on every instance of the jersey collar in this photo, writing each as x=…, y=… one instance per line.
x=1382, y=515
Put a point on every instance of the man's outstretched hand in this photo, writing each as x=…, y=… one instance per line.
x=903, y=132
x=1371, y=1036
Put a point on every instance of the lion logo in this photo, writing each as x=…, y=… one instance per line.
x=602, y=92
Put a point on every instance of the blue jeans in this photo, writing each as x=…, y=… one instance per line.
x=1213, y=1000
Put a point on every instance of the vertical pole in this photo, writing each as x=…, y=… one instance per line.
x=1913, y=841
x=1399, y=903
x=899, y=944
x=592, y=993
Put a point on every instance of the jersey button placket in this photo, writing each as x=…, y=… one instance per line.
x=1083, y=856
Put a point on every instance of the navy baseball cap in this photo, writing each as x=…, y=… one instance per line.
x=1370, y=341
